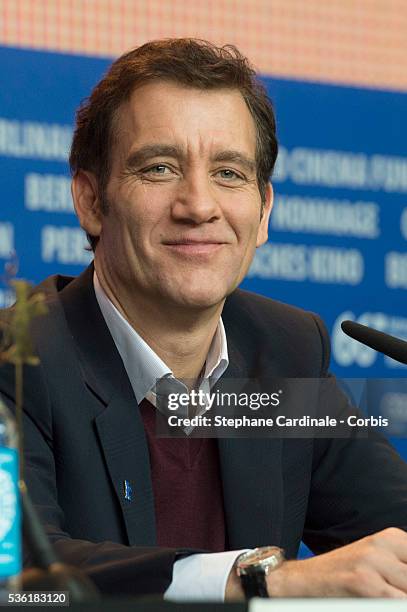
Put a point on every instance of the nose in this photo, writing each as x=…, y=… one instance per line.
x=195, y=201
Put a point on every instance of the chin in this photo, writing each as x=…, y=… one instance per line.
x=200, y=299
x=200, y=291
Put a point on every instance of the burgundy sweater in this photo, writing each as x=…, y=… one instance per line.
x=187, y=489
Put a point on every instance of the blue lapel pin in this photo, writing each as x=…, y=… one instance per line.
x=128, y=491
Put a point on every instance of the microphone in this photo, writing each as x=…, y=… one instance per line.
x=377, y=340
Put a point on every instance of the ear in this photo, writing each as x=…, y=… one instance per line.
x=86, y=200
x=262, y=232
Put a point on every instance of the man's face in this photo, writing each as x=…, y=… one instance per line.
x=184, y=217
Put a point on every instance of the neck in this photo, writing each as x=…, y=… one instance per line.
x=181, y=337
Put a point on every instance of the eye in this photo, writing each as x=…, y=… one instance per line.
x=228, y=177
x=228, y=174
x=157, y=169
x=158, y=173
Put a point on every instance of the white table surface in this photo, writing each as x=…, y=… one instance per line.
x=322, y=605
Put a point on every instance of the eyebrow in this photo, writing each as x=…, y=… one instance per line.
x=142, y=155
x=230, y=155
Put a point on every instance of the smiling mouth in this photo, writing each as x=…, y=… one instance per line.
x=194, y=247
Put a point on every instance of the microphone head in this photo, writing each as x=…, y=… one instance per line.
x=377, y=340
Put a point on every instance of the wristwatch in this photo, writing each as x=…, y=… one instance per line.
x=252, y=567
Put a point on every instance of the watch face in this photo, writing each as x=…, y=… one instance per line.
x=265, y=556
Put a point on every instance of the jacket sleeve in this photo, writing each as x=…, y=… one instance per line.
x=114, y=567
x=359, y=482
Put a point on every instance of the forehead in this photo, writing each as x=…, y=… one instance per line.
x=199, y=121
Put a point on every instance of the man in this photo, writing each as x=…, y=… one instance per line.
x=171, y=161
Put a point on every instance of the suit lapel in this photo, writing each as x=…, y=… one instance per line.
x=251, y=467
x=118, y=424
x=122, y=437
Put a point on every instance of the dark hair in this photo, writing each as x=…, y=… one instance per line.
x=188, y=61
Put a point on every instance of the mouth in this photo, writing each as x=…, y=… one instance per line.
x=194, y=247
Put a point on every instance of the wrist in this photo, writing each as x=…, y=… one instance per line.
x=234, y=590
x=292, y=580
x=254, y=566
x=277, y=581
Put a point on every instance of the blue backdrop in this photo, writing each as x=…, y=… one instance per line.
x=338, y=231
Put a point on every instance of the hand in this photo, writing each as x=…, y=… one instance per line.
x=375, y=566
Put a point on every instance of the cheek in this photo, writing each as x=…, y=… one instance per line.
x=141, y=212
x=245, y=224
x=244, y=211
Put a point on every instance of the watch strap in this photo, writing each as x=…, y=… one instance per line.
x=254, y=584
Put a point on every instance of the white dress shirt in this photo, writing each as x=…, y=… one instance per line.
x=198, y=576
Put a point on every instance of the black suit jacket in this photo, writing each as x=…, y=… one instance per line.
x=84, y=436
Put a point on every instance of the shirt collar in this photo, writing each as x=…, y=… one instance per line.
x=143, y=366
